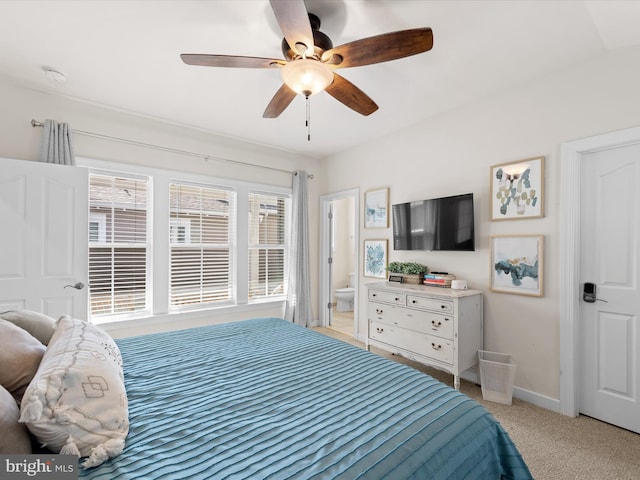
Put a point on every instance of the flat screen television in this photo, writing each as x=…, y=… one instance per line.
x=435, y=224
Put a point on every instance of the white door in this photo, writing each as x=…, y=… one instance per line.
x=610, y=259
x=44, y=240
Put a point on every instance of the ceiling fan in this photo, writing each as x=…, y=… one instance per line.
x=310, y=58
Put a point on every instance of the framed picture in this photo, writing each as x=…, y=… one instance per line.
x=375, y=258
x=517, y=264
x=376, y=208
x=517, y=189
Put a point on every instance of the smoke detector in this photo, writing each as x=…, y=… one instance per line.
x=54, y=75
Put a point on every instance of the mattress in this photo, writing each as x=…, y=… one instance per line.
x=267, y=399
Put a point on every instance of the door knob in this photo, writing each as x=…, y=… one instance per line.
x=77, y=286
x=589, y=293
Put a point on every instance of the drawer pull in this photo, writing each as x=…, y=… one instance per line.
x=373, y=295
x=414, y=301
x=379, y=330
x=443, y=306
x=396, y=299
x=436, y=347
x=436, y=324
x=379, y=311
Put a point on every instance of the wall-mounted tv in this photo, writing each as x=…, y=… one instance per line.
x=436, y=224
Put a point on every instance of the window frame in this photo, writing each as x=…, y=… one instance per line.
x=158, y=238
x=146, y=311
x=233, y=220
x=284, y=246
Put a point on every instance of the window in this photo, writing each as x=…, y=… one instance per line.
x=97, y=227
x=117, y=244
x=201, y=236
x=168, y=243
x=180, y=230
x=267, y=222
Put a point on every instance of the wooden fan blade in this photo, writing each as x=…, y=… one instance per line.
x=279, y=102
x=293, y=19
x=232, y=61
x=346, y=92
x=380, y=48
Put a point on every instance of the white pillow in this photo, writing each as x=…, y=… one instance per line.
x=76, y=403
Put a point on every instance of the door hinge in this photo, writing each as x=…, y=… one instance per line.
x=329, y=305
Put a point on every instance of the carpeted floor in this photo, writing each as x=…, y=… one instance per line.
x=554, y=446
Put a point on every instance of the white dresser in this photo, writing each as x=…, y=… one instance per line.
x=439, y=327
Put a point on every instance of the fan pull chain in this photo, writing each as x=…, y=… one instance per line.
x=308, y=121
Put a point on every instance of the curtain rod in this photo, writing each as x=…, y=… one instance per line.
x=36, y=123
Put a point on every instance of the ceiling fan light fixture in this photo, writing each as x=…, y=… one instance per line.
x=307, y=76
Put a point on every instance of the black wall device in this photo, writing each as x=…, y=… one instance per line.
x=589, y=292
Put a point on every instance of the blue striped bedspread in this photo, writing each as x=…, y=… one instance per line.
x=266, y=399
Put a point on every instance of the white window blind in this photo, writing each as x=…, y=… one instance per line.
x=267, y=229
x=201, y=232
x=117, y=245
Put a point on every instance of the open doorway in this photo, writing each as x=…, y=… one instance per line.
x=339, y=261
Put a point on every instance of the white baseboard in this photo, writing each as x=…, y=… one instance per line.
x=536, y=399
x=523, y=394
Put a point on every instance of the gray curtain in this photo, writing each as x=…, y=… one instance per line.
x=298, y=309
x=56, y=144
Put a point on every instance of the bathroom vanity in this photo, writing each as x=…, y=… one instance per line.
x=439, y=327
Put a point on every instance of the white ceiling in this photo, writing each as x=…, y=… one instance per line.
x=125, y=55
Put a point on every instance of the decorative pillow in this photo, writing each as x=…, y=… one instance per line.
x=37, y=324
x=76, y=404
x=15, y=436
x=20, y=355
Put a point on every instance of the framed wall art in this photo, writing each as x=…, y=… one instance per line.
x=376, y=208
x=517, y=264
x=517, y=189
x=375, y=258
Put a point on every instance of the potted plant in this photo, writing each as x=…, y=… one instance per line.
x=411, y=272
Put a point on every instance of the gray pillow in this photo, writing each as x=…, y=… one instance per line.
x=37, y=324
x=15, y=436
x=20, y=357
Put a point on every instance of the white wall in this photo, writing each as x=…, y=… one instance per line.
x=452, y=154
x=19, y=140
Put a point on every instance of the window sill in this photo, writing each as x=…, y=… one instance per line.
x=180, y=320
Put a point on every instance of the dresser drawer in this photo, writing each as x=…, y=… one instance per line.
x=385, y=313
x=418, y=320
x=439, y=349
x=427, y=322
x=387, y=297
x=443, y=306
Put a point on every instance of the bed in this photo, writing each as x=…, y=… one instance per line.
x=264, y=398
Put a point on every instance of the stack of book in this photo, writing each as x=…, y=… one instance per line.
x=438, y=279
